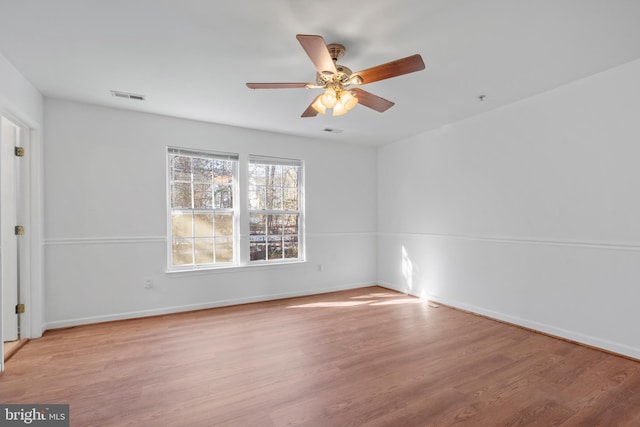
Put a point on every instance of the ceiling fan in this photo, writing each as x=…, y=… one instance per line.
x=336, y=79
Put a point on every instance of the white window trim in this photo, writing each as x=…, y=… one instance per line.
x=236, y=200
x=301, y=209
x=241, y=218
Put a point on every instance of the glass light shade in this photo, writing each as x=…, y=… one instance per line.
x=318, y=106
x=348, y=100
x=339, y=109
x=329, y=98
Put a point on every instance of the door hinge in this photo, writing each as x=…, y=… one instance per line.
x=19, y=151
x=19, y=230
x=20, y=308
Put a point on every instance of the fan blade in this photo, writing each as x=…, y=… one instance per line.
x=395, y=68
x=276, y=85
x=372, y=101
x=317, y=50
x=310, y=111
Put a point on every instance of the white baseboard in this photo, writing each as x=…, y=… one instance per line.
x=193, y=307
x=588, y=340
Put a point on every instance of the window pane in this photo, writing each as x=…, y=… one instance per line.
x=274, y=198
x=290, y=223
x=274, y=247
x=291, y=199
x=224, y=249
x=204, y=250
x=257, y=224
x=181, y=251
x=224, y=224
x=256, y=174
x=181, y=224
x=291, y=247
x=181, y=195
x=290, y=176
x=257, y=249
x=274, y=225
x=223, y=171
x=180, y=168
x=202, y=196
x=257, y=197
x=203, y=225
x=223, y=196
x=202, y=169
x=274, y=175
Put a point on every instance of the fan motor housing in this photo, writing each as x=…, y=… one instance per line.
x=336, y=51
x=343, y=74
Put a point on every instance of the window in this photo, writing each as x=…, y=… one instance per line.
x=202, y=208
x=206, y=216
x=275, y=209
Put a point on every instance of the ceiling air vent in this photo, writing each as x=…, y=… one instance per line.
x=127, y=95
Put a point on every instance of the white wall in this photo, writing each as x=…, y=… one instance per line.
x=528, y=213
x=18, y=96
x=105, y=204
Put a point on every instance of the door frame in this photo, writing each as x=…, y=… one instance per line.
x=31, y=248
x=11, y=215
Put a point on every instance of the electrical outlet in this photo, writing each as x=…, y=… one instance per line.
x=148, y=284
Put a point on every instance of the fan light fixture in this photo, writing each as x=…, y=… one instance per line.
x=319, y=106
x=340, y=100
x=336, y=79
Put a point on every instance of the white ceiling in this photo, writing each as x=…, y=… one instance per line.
x=191, y=58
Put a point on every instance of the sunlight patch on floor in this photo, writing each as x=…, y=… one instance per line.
x=399, y=301
x=332, y=304
x=377, y=295
x=376, y=302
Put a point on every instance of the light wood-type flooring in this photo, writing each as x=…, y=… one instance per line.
x=369, y=356
x=11, y=347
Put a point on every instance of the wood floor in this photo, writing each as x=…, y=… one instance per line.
x=12, y=347
x=364, y=357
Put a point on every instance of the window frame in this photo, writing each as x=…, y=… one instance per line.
x=277, y=161
x=233, y=210
x=241, y=211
